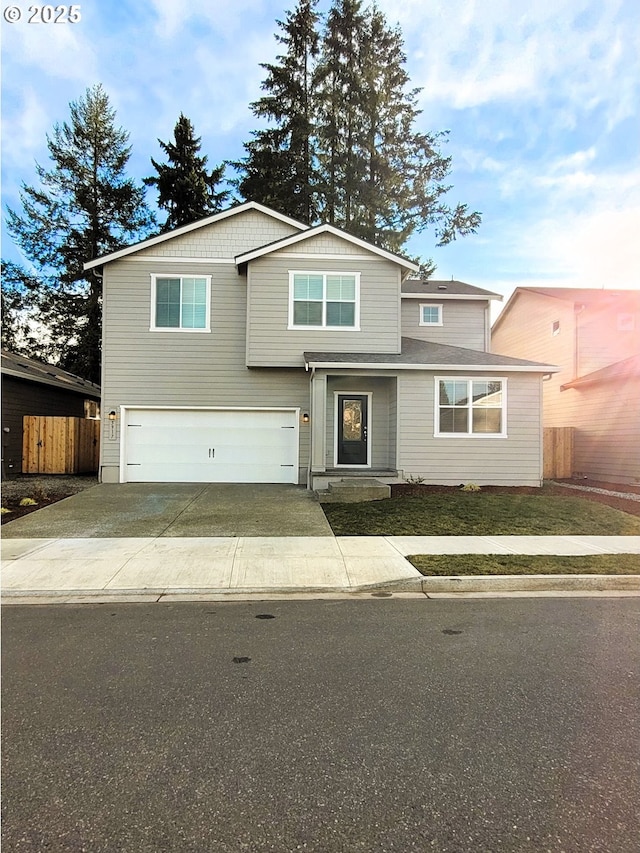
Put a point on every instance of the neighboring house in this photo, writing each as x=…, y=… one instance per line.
x=594, y=336
x=30, y=387
x=247, y=347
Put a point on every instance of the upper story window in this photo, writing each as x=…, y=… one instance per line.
x=471, y=407
x=319, y=300
x=180, y=303
x=430, y=315
x=555, y=328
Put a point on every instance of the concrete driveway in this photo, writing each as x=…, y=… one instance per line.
x=176, y=510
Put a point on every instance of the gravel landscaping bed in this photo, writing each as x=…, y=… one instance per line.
x=44, y=489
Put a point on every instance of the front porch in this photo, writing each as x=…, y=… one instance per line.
x=354, y=429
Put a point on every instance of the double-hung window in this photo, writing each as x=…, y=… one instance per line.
x=321, y=300
x=180, y=302
x=471, y=407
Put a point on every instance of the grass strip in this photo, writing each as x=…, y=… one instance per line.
x=441, y=565
x=478, y=514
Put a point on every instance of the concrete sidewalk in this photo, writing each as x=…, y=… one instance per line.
x=151, y=568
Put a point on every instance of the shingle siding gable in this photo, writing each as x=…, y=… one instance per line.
x=223, y=239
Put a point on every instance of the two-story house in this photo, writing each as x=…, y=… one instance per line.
x=247, y=347
x=594, y=336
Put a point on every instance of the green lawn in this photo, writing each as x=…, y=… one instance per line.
x=516, y=564
x=479, y=514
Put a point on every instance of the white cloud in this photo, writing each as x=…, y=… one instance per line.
x=468, y=54
x=24, y=130
x=599, y=248
x=227, y=19
x=56, y=51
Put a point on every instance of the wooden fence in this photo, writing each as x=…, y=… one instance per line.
x=60, y=445
x=557, y=452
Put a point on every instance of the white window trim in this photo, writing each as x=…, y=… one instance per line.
x=171, y=329
x=422, y=322
x=465, y=435
x=325, y=328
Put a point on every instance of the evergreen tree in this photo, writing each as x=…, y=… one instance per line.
x=185, y=188
x=383, y=179
x=340, y=90
x=279, y=168
x=84, y=207
x=370, y=171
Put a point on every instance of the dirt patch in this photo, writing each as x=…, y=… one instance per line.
x=627, y=505
x=43, y=489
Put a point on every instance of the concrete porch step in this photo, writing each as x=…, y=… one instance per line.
x=355, y=490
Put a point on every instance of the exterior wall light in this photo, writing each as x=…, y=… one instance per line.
x=112, y=415
x=305, y=418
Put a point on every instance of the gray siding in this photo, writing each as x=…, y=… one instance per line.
x=184, y=368
x=463, y=323
x=515, y=460
x=270, y=342
x=380, y=428
x=224, y=239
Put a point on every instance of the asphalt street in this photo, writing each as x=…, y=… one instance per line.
x=369, y=725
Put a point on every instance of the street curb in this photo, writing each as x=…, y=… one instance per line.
x=510, y=583
x=486, y=584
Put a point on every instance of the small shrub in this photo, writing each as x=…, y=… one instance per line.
x=28, y=502
x=414, y=481
x=471, y=487
x=4, y=510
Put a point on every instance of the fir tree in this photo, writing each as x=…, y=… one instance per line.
x=84, y=207
x=383, y=179
x=186, y=189
x=370, y=170
x=279, y=168
x=340, y=89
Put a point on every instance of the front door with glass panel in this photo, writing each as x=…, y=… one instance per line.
x=352, y=427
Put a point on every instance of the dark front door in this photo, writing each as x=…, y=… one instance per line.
x=352, y=429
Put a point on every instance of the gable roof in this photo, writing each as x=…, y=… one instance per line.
x=415, y=288
x=193, y=226
x=259, y=252
x=582, y=295
x=30, y=370
x=425, y=355
x=625, y=369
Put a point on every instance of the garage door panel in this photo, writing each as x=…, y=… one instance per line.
x=254, y=446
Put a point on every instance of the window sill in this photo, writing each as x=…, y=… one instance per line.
x=184, y=331
x=323, y=328
x=474, y=435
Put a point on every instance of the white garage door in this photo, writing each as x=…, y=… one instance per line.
x=210, y=446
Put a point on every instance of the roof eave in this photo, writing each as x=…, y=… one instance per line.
x=466, y=296
x=467, y=368
x=88, y=390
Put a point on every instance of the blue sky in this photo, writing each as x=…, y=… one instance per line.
x=542, y=102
